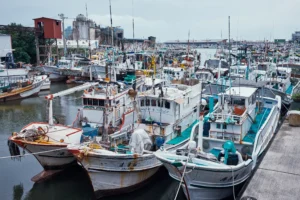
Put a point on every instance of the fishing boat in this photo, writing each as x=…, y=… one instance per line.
x=160, y=118
x=225, y=146
x=48, y=141
x=46, y=84
x=10, y=69
x=115, y=94
x=19, y=88
x=277, y=78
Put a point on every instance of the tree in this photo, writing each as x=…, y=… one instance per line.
x=23, y=43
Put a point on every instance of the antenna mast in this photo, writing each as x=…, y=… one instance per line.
x=111, y=25
x=229, y=45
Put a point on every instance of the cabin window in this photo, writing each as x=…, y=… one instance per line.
x=218, y=126
x=95, y=102
x=158, y=102
x=239, y=102
x=153, y=102
x=101, y=102
x=253, y=98
x=250, y=100
x=90, y=101
x=167, y=104
x=224, y=126
x=142, y=102
x=84, y=101
x=147, y=102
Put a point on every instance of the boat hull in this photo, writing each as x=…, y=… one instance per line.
x=22, y=93
x=119, y=173
x=52, y=159
x=208, y=183
x=57, y=77
x=107, y=183
x=48, y=144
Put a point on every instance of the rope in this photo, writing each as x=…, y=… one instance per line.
x=181, y=180
x=5, y=157
x=233, y=192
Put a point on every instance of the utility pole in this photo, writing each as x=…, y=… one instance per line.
x=229, y=46
x=62, y=17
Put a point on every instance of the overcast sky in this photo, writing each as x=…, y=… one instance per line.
x=171, y=19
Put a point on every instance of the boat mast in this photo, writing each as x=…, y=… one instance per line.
x=111, y=25
x=188, y=43
x=229, y=47
x=133, y=28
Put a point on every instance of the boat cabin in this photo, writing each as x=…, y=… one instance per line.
x=205, y=75
x=112, y=96
x=173, y=72
x=233, y=113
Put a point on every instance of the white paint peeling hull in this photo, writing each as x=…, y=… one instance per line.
x=52, y=160
x=105, y=180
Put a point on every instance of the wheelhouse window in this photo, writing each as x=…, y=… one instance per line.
x=142, y=102
x=101, y=102
x=147, y=102
x=90, y=101
x=85, y=101
x=167, y=104
x=239, y=102
x=218, y=126
x=95, y=102
x=153, y=102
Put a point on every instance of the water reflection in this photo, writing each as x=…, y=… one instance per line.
x=161, y=187
x=72, y=183
x=18, y=191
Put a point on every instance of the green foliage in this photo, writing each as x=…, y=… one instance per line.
x=296, y=97
x=23, y=42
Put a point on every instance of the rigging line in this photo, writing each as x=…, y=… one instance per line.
x=5, y=157
x=181, y=180
x=233, y=191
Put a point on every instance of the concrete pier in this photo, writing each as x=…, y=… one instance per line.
x=278, y=175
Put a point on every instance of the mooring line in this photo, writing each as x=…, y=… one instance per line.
x=5, y=157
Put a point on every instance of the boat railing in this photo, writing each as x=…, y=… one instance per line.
x=219, y=115
x=264, y=134
x=224, y=135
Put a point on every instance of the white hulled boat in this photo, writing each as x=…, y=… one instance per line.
x=224, y=150
x=13, y=88
x=160, y=118
x=48, y=141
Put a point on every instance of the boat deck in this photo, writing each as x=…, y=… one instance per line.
x=258, y=122
x=184, y=135
x=278, y=175
x=289, y=90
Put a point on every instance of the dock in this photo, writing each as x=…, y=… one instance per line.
x=278, y=175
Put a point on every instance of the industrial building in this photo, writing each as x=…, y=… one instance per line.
x=296, y=37
x=82, y=44
x=84, y=29
x=5, y=46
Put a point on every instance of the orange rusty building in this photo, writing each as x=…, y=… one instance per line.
x=51, y=28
